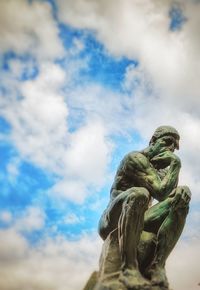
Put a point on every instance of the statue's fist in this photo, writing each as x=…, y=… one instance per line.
x=181, y=196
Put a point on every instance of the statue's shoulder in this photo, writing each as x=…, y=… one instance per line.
x=137, y=159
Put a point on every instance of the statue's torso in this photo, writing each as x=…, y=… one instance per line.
x=126, y=175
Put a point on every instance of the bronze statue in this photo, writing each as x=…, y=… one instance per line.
x=140, y=234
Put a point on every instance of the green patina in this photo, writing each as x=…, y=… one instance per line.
x=139, y=237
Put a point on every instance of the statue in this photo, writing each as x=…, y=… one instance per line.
x=139, y=237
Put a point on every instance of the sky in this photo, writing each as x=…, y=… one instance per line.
x=82, y=83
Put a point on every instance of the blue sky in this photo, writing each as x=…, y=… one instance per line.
x=82, y=83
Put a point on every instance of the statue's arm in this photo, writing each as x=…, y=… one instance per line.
x=147, y=176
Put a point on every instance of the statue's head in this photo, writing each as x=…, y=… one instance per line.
x=167, y=133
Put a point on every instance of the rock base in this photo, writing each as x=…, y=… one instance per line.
x=107, y=278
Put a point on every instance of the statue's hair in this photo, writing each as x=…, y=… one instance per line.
x=162, y=131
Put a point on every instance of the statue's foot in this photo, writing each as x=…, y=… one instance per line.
x=158, y=277
x=133, y=279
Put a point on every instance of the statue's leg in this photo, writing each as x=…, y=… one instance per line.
x=130, y=226
x=126, y=212
x=172, y=214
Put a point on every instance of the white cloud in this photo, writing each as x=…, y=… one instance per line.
x=32, y=219
x=100, y=103
x=53, y=264
x=13, y=169
x=140, y=30
x=29, y=28
x=5, y=217
x=182, y=266
x=38, y=119
x=13, y=247
x=84, y=162
x=88, y=153
x=40, y=132
x=70, y=189
x=72, y=218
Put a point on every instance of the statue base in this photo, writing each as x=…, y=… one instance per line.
x=107, y=278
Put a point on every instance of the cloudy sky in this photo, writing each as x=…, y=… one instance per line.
x=82, y=83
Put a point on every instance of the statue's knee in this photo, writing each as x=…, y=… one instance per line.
x=103, y=226
x=183, y=193
x=182, y=197
x=139, y=194
x=183, y=188
x=142, y=193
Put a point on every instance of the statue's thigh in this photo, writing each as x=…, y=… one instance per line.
x=109, y=219
x=115, y=206
x=155, y=215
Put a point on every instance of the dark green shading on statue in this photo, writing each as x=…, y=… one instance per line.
x=139, y=237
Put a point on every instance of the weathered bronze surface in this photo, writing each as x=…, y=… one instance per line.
x=139, y=237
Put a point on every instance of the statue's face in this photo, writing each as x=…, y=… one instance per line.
x=169, y=142
x=165, y=143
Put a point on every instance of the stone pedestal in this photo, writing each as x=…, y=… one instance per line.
x=109, y=265
x=107, y=278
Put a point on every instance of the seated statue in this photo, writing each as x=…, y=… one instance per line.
x=142, y=176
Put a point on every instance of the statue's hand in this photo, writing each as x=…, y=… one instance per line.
x=181, y=196
x=165, y=159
